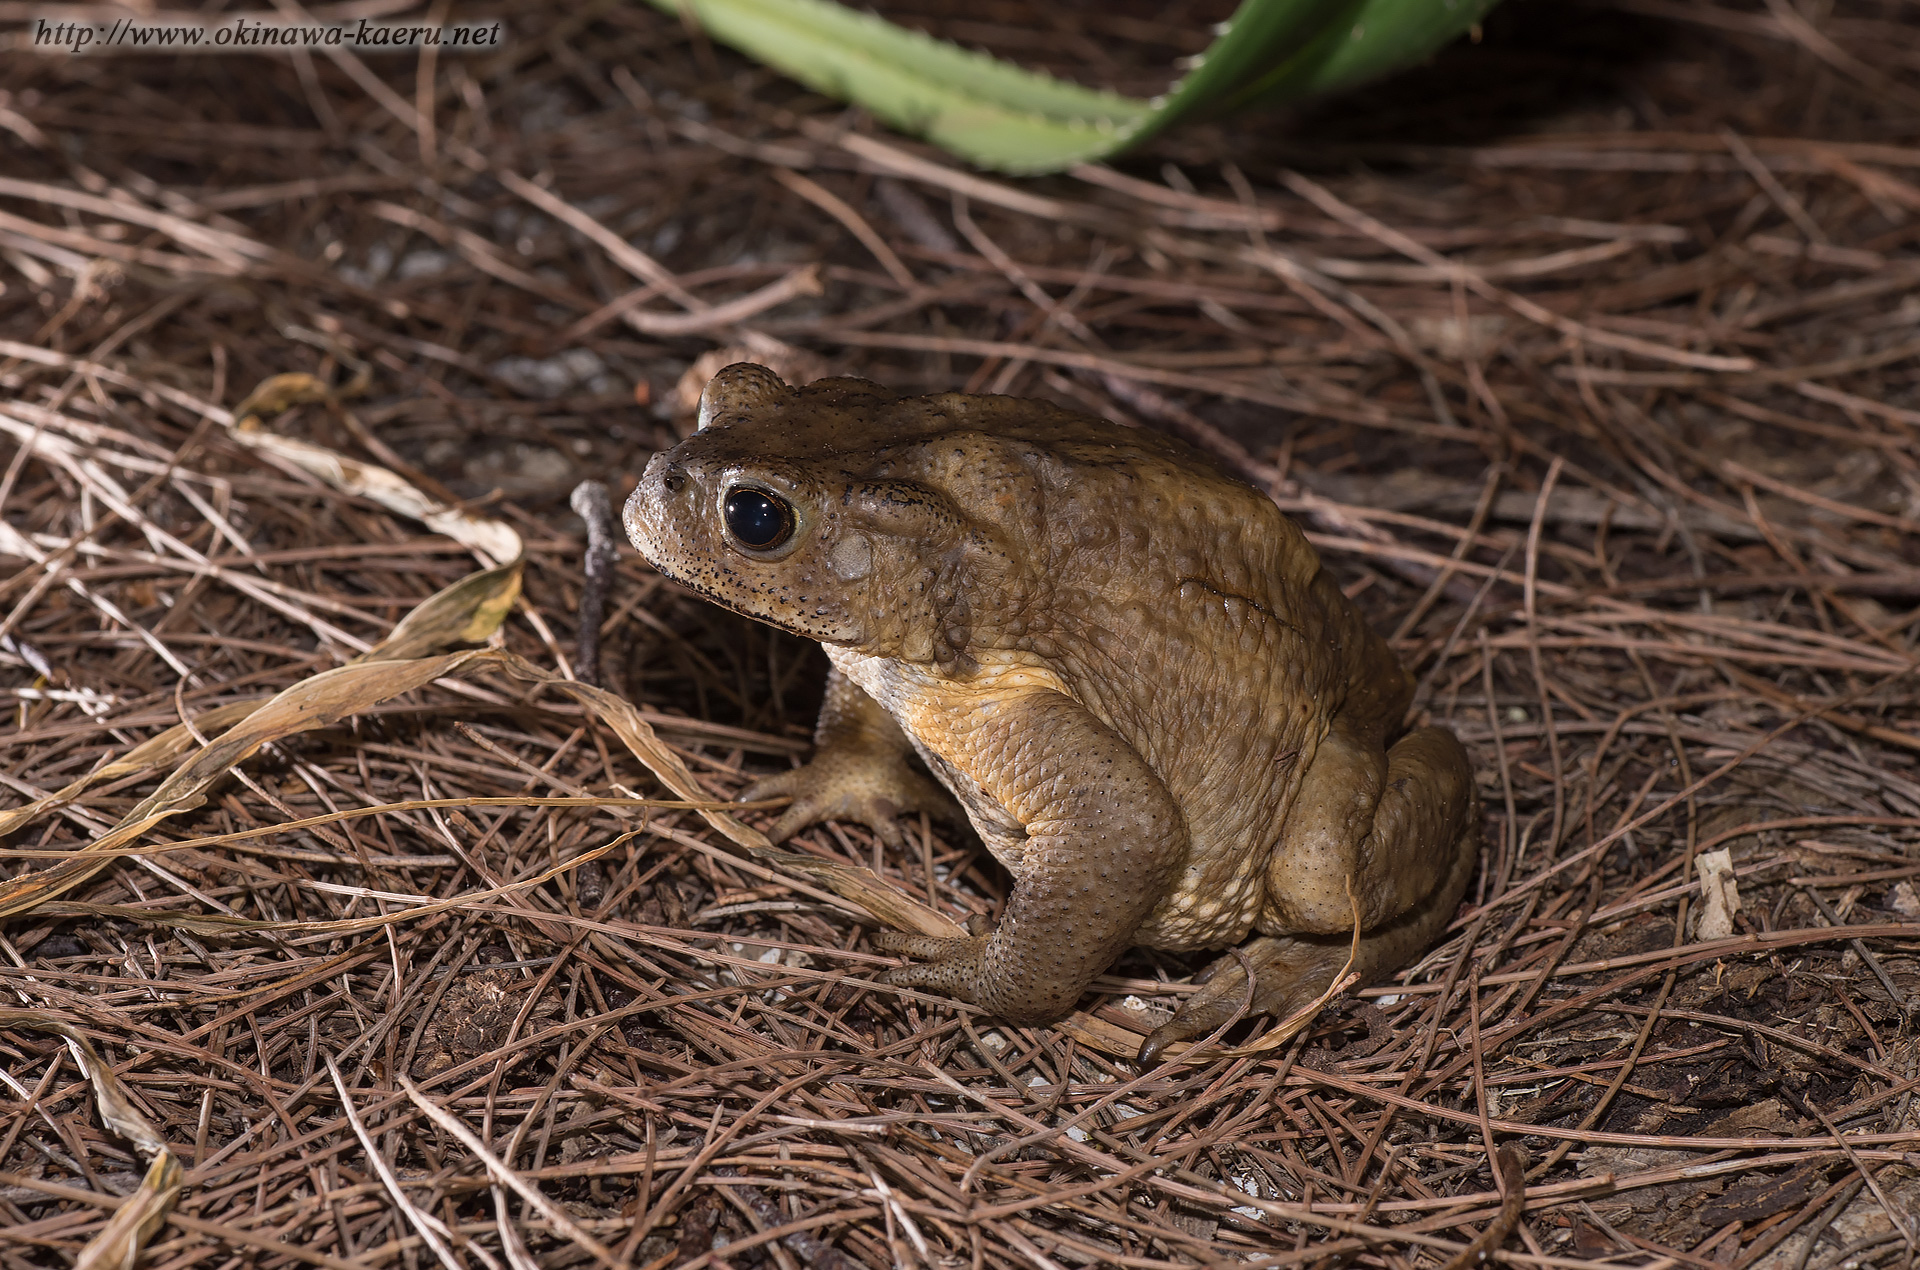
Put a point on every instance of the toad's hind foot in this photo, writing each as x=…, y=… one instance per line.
x=988, y=968
x=1288, y=972
x=872, y=786
x=1401, y=877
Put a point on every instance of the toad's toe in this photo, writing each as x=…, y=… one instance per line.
x=869, y=787
x=952, y=966
x=1288, y=973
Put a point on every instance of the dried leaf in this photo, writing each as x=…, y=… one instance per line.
x=467, y=612
x=121, y=1240
x=149, y=755
x=493, y=540
x=1719, y=895
x=324, y=699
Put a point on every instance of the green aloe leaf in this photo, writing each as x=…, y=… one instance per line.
x=1000, y=116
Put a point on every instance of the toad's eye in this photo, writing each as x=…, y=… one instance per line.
x=757, y=519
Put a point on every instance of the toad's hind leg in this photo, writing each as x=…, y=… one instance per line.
x=1405, y=839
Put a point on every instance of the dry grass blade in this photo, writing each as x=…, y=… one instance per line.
x=506, y=1176
x=854, y=882
x=865, y=888
x=312, y=703
x=149, y=755
x=491, y=539
x=120, y=1243
x=124, y=1238
x=432, y=1230
x=466, y=612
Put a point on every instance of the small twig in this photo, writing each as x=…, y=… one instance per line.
x=1511, y=1167
x=1782, y=197
x=563, y=1225
x=821, y=1256
x=430, y=1227
x=591, y=501
x=1860, y=948
x=856, y=224
x=1873, y=1183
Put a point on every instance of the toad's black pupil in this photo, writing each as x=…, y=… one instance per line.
x=758, y=519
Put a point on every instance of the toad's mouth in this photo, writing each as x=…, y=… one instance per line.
x=732, y=605
x=730, y=600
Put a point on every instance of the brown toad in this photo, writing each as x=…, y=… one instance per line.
x=1158, y=710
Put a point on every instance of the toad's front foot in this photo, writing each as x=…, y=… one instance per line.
x=1288, y=973
x=870, y=786
x=953, y=966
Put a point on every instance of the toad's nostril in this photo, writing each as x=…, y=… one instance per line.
x=673, y=480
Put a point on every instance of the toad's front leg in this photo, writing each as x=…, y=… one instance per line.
x=861, y=771
x=1105, y=841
